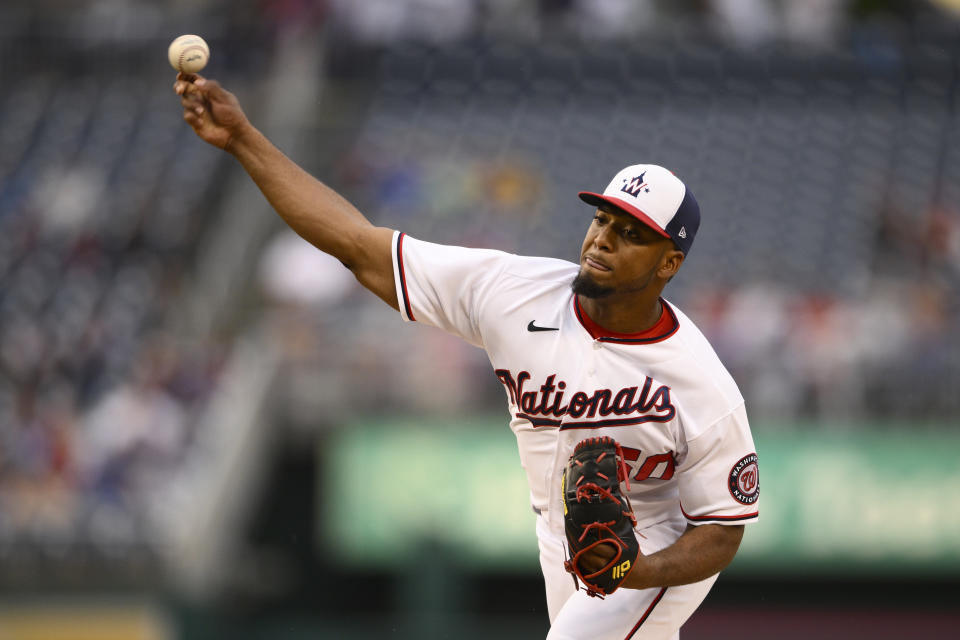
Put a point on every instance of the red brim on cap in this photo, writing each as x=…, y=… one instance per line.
x=596, y=199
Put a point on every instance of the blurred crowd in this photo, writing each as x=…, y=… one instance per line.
x=829, y=264
x=101, y=213
x=101, y=386
x=97, y=389
x=883, y=353
x=747, y=23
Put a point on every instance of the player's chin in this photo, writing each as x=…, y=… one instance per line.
x=586, y=285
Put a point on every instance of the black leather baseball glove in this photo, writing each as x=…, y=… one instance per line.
x=596, y=512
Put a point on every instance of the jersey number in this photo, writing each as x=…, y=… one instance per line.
x=662, y=464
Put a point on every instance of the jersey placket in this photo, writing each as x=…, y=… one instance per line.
x=590, y=351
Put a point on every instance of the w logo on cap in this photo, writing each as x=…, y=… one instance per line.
x=634, y=185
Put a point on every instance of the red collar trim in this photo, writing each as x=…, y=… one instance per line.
x=665, y=327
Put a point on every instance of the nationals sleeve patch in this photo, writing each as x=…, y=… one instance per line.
x=745, y=480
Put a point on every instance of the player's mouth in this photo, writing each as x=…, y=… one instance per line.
x=593, y=263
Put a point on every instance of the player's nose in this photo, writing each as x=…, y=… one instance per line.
x=603, y=238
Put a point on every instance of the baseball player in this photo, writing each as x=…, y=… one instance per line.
x=582, y=349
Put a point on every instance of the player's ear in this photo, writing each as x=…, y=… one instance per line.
x=670, y=263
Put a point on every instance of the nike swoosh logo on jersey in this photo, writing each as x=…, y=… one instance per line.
x=533, y=327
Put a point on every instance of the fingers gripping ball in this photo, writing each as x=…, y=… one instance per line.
x=596, y=512
x=188, y=54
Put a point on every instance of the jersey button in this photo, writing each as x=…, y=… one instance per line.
x=592, y=372
x=597, y=345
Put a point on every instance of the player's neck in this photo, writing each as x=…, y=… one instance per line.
x=635, y=314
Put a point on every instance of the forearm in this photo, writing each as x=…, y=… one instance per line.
x=698, y=554
x=316, y=212
x=312, y=209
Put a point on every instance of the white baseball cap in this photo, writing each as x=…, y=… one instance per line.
x=657, y=198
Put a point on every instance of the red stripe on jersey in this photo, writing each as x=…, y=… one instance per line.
x=646, y=614
x=403, y=278
x=746, y=516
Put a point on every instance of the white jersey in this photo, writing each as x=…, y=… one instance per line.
x=666, y=399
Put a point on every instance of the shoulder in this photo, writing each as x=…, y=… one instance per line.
x=691, y=341
x=706, y=385
x=510, y=265
x=545, y=270
x=497, y=274
x=513, y=265
x=527, y=280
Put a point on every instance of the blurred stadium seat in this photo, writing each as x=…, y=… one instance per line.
x=103, y=203
x=827, y=271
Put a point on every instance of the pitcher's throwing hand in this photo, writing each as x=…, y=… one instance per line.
x=212, y=111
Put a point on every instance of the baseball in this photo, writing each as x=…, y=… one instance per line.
x=188, y=54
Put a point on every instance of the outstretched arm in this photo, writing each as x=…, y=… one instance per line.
x=316, y=212
x=698, y=554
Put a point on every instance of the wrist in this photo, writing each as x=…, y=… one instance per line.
x=643, y=574
x=241, y=139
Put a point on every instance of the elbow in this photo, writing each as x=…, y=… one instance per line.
x=730, y=544
x=719, y=543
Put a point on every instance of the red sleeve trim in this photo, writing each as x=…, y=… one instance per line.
x=709, y=518
x=403, y=278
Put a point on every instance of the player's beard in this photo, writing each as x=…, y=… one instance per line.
x=584, y=285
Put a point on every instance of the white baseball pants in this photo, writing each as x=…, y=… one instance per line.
x=626, y=614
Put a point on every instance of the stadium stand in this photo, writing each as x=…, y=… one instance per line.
x=826, y=273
